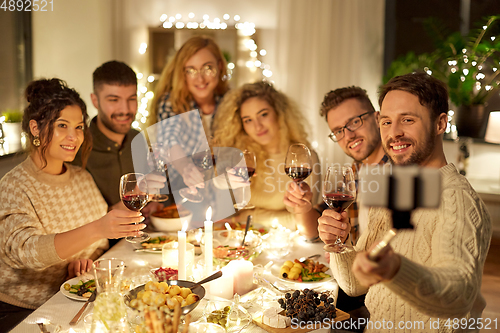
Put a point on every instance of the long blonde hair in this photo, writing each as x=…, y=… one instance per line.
x=228, y=126
x=173, y=82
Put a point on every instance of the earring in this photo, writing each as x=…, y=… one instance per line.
x=36, y=141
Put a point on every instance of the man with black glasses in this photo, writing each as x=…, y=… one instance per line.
x=352, y=120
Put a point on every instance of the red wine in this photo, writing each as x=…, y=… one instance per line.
x=338, y=201
x=298, y=174
x=245, y=173
x=135, y=201
x=203, y=160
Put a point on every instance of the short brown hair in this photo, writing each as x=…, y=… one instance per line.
x=114, y=73
x=431, y=92
x=336, y=97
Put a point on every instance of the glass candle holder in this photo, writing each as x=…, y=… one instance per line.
x=170, y=257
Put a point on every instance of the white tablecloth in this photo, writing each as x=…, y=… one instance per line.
x=59, y=310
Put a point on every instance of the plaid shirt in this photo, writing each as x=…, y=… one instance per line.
x=184, y=129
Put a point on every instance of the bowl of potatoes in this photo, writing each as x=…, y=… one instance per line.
x=165, y=296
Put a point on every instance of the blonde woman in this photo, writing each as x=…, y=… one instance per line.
x=258, y=118
x=195, y=79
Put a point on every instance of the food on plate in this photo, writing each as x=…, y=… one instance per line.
x=241, y=226
x=231, y=252
x=219, y=317
x=307, y=271
x=164, y=274
x=271, y=317
x=308, y=306
x=83, y=288
x=163, y=297
x=172, y=212
x=157, y=241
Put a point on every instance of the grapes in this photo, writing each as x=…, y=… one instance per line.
x=308, y=305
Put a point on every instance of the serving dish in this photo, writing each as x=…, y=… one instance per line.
x=227, y=245
x=199, y=290
x=171, y=218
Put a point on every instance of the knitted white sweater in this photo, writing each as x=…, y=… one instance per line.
x=34, y=207
x=441, y=268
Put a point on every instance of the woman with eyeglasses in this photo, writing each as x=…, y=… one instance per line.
x=194, y=79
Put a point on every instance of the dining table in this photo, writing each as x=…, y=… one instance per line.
x=58, y=311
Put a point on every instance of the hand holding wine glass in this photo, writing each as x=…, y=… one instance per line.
x=298, y=165
x=339, y=192
x=134, y=195
x=157, y=161
x=239, y=178
x=201, y=159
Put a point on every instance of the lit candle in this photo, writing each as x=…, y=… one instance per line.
x=181, y=239
x=209, y=247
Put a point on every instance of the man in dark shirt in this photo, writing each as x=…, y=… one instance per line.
x=115, y=98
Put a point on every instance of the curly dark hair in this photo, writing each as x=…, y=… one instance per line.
x=431, y=92
x=46, y=99
x=335, y=97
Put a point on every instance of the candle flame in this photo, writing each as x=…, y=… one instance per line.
x=71, y=330
x=209, y=214
x=228, y=226
x=184, y=226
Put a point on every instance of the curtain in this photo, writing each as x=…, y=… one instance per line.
x=323, y=45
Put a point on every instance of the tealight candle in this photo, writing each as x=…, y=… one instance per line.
x=209, y=247
x=181, y=239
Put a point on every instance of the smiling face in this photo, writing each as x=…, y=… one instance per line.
x=260, y=122
x=116, y=106
x=67, y=137
x=408, y=134
x=361, y=143
x=206, y=69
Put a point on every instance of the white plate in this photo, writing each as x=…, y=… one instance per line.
x=275, y=271
x=69, y=295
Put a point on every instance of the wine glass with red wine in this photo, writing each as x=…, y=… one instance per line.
x=245, y=165
x=134, y=195
x=298, y=164
x=339, y=192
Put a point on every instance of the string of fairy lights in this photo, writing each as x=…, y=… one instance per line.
x=245, y=31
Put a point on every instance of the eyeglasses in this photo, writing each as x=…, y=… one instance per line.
x=351, y=125
x=206, y=71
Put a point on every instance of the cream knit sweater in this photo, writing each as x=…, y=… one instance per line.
x=34, y=207
x=441, y=268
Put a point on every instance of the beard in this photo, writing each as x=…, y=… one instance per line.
x=420, y=153
x=116, y=128
x=120, y=129
x=370, y=147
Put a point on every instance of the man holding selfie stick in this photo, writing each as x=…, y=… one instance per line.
x=431, y=274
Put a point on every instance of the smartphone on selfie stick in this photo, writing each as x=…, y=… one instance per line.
x=401, y=189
